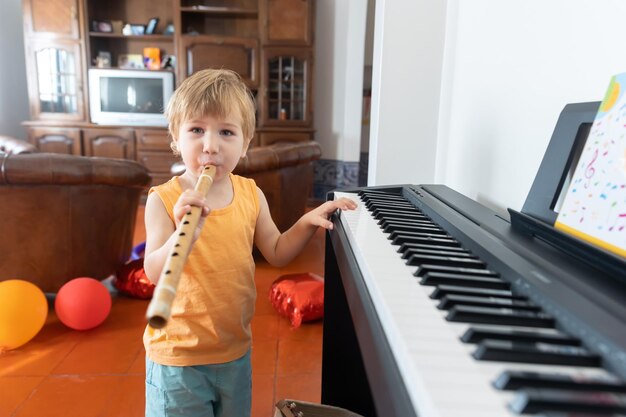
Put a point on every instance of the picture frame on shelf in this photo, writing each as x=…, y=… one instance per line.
x=169, y=30
x=130, y=61
x=151, y=26
x=103, y=26
x=103, y=60
x=134, y=29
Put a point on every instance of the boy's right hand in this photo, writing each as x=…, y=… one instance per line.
x=188, y=199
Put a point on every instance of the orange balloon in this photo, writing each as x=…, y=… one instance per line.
x=23, y=312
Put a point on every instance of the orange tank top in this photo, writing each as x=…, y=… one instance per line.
x=214, y=303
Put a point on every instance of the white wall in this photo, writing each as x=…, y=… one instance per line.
x=516, y=64
x=339, y=57
x=507, y=69
x=13, y=92
x=406, y=88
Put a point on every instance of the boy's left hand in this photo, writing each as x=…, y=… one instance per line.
x=320, y=215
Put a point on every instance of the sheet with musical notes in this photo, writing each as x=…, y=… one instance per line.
x=594, y=208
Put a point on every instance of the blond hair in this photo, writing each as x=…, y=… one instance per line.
x=216, y=92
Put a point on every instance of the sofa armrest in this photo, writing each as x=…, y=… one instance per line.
x=49, y=168
x=14, y=146
x=284, y=171
x=278, y=155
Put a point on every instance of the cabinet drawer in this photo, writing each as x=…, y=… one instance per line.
x=157, y=162
x=148, y=139
x=267, y=138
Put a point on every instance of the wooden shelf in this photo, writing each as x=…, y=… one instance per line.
x=220, y=10
x=151, y=38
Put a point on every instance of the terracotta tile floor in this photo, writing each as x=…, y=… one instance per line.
x=100, y=372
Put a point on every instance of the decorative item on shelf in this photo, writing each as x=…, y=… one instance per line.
x=169, y=30
x=152, y=58
x=101, y=26
x=116, y=25
x=152, y=24
x=103, y=60
x=130, y=61
x=168, y=62
x=133, y=29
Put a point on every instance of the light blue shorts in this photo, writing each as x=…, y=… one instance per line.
x=199, y=391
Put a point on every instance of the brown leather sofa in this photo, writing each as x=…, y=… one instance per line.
x=65, y=216
x=284, y=171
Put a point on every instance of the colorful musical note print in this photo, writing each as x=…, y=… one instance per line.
x=594, y=208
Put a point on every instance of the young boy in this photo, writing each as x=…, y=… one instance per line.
x=199, y=364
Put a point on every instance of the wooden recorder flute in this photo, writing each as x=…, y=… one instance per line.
x=159, y=310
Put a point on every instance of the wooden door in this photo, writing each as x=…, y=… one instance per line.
x=287, y=22
x=63, y=140
x=52, y=18
x=237, y=54
x=110, y=143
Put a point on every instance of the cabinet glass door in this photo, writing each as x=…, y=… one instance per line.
x=287, y=88
x=56, y=87
x=56, y=79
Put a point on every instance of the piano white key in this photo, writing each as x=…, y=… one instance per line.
x=443, y=377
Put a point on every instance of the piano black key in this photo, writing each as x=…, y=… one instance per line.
x=424, y=238
x=536, y=353
x=514, y=380
x=425, y=268
x=414, y=228
x=477, y=335
x=395, y=206
x=398, y=207
x=437, y=252
x=403, y=222
x=501, y=316
x=419, y=259
x=531, y=401
x=386, y=214
x=449, y=301
x=377, y=202
x=442, y=290
x=383, y=197
x=442, y=278
x=406, y=246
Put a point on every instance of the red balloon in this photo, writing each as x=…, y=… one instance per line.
x=299, y=297
x=82, y=303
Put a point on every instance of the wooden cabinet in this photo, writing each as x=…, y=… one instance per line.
x=56, y=139
x=268, y=42
x=54, y=60
x=109, y=143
